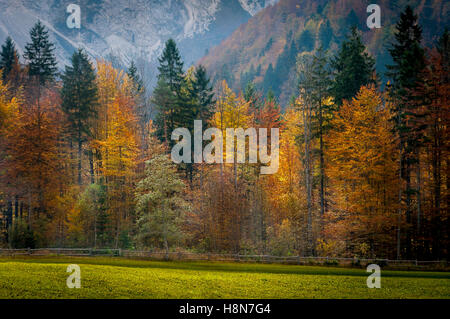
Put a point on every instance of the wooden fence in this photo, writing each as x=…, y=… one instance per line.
x=187, y=256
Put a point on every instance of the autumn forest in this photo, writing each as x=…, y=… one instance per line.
x=363, y=158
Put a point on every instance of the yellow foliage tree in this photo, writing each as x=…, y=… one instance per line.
x=362, y=171
x=8, y=106
x=284, y=190
x=116, y=144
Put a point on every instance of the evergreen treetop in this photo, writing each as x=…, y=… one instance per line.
x=79, y=93
x=202, y=93
x=171, y=66
x=133, y=74
x=407, y=53
x=40, y=55
x=353, y=67
x=8, y=57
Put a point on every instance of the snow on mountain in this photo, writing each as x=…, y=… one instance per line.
x=254, y=6
x=128, y=29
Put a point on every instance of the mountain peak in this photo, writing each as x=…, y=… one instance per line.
x=128, y=29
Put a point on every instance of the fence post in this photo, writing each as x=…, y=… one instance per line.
x=29, y=251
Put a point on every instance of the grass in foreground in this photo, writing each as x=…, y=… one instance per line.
x=34, y=277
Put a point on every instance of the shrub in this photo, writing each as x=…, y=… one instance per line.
x=20, y=235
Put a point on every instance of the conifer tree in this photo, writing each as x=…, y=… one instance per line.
x=164, y=100
x=253, y=97
x=325, y=34
x=171, y=66
x=268, y=82
x=443, y=48
x=133, y=74
x=202, y=93
x=306, y=41
x=323, y=108
x=171, y=96
x=40, y=55
x=353, y=67
x=8, y=57
x=408, y=62
x=42, y=69
x=79, y=100
x=317, y=109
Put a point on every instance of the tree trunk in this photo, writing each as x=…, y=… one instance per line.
x=408, y=210
x=95, y=230
x=166, y=248
x=419, y=208
x=91, y=166
x=436, y=216
x=9, y=213
x=39, y=157
x=29, y=211
x=16, y=207
x=72, y=161
x=80, y=147
x=399, y=213
x=307, y=169
x=322, y=168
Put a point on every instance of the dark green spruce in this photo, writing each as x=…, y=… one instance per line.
x=169, y=97
x=352, y=68
x=40, y=55
x=405, y=73
x=79, y=100
x=8, y=57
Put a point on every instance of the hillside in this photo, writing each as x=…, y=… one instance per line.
x=125, y=30
x=264, y=49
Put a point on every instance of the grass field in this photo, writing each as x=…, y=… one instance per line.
x=45, y=277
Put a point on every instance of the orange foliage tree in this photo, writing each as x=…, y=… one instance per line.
x=362, y=171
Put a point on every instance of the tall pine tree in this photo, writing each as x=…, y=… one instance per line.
x=79, y=100
x=202, y=94
x=323, y=108
x=42, y=69
x=40, y=55
x=8, y=57
x=315, y=85
x=170, y=95
x=405, y=72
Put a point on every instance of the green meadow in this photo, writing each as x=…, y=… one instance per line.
x=35, y=277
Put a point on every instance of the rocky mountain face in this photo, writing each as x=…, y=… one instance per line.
x=125, y=30
x=264, y=49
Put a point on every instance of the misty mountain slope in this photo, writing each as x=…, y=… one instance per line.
x=275, y=36
x=229, y=16
x=128, y=30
